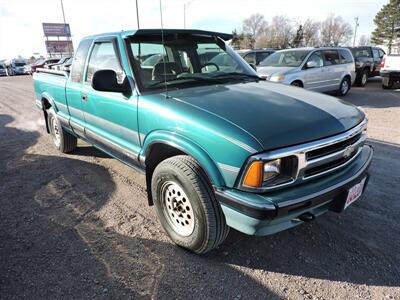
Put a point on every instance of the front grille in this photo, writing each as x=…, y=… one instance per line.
x=332, y=148
x=332, y=156
x=328, y=166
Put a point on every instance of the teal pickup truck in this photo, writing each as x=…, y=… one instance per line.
x=220, y=148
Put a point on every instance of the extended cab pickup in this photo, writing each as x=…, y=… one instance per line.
x=390, y=70
x=367, y=60
x=220, y=147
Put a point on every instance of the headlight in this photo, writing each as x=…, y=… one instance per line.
x=279, y=77
x=260, y=174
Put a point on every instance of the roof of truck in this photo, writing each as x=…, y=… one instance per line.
x=123, y=34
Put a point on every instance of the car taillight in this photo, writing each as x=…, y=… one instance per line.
x=383, y=62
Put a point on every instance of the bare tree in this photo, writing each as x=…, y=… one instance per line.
x=279, y=33
x=364, y=40
x=335, y=31
x=311, y=32
x=254, y=26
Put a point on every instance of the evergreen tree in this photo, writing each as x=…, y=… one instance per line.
x=387, y=22
x=298, y=38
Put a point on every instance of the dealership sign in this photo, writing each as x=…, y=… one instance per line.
x=56, y=29
x=59, y=46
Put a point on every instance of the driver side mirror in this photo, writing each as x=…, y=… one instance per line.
x=106, y=81
x=311, y=64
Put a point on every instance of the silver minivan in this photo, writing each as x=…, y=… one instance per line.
x=317, y=69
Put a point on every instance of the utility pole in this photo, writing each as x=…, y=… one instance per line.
x=185, y=6
x=355, y=31
x=137, y=14
x=68, y=37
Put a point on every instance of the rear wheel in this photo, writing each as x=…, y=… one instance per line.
x=388, y=84
x=344, y=87
x=64, y=141
x=186, y=205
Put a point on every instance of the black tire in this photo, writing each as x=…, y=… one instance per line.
x=65, y=142
x=342, y=91
x=362, y=81
x=297, y=84
x=389, y=85
x=209, y=225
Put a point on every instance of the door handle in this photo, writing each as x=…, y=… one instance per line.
x=84, y=97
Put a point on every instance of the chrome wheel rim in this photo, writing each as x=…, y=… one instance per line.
x=364, y=79
x=345, y=87
x=177, y=208
x=55, y=130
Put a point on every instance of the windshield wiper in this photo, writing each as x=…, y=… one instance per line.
x=235, y=75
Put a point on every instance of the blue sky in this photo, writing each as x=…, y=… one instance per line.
x=21, y=30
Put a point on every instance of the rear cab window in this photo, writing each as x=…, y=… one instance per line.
x=104, y=57
x=79, y=60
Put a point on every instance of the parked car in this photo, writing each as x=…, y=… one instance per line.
x=390, y=70
x=66, y=66
x=317, y=69
x=54, y=66
x=3, y=69
x=255, y=57
x=43, y=63
x=367, y=60
x=17, y=66
x=219, y=149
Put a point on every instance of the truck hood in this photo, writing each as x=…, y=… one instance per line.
x=274, y=114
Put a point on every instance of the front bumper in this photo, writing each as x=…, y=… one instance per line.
x=263, y=214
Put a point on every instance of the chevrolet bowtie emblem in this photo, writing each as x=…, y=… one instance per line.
x=348, y=151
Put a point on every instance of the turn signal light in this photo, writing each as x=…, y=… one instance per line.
x=254, y=174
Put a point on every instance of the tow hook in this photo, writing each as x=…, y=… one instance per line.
x=306, y=217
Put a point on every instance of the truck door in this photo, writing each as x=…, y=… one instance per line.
x=110, y=118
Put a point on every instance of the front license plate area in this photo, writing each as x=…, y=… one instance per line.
x=354, y=193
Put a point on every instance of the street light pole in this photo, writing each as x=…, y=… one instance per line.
x=355, y=31
x=137, y=14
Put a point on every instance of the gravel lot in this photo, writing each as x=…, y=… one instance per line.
x=77, y=226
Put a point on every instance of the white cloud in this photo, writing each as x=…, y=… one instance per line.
x=21, y=30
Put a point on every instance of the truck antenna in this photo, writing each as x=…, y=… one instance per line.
x=164, y=53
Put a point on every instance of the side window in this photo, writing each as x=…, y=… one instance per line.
x=250, y=58
x=79, y=61
x=260, y=56
x=375, y=53
x=104, y=57
x=331, y=57
x=346, y=57
x=317, y=58
x=381, y=53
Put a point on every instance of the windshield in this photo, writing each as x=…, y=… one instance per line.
x=20, y=64
x=189, y=60
x=291, y=58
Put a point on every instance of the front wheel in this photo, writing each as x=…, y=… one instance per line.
x=64, y=141
x=364, y=78
x=186, y=205
x=344, y=87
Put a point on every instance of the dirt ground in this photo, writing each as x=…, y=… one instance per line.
x=77, y=226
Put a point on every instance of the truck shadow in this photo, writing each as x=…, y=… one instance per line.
x=358, y=246
x=55, y=243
